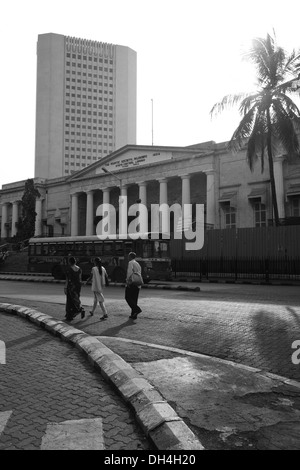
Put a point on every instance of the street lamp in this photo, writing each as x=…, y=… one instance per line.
x=113, y=174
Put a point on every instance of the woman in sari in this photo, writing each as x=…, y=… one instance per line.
x=72, y=290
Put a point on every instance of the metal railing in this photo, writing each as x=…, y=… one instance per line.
x=238, y=268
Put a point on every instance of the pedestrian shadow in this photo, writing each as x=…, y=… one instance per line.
x=34, y=338
x=273, y=340
x=294, y=314
x=113, y=331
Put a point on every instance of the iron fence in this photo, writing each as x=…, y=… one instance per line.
x=237, y=268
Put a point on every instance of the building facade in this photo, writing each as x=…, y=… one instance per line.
x=85, y=103
x=207, y=173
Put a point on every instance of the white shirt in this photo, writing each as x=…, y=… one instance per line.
x=98, y=281
x=133, y=267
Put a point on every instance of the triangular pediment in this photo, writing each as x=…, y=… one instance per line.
x=128, y=157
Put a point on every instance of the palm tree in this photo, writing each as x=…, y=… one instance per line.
x=270, y=116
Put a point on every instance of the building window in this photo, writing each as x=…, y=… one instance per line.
x=229, y=216
x=260, y=218
x=295, y=206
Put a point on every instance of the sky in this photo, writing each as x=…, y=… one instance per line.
x=189, y=55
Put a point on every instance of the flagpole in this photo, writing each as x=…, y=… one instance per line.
x=152, y=119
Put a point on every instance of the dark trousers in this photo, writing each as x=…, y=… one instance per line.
x=131, y=297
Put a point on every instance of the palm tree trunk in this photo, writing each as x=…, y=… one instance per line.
x=271, y=168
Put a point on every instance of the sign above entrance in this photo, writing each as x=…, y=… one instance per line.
x=135, y=159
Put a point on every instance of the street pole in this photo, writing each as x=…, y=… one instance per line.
x=152, y=119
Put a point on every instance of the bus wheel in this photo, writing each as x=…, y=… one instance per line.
x=118, y=275
x=57, y=273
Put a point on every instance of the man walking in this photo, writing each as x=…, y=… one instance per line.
x=132, y=290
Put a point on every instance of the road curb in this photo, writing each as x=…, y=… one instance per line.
x=113, y=284
x=158, y=420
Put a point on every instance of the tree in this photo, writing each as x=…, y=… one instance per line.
x=27, y=219
x=270, y=116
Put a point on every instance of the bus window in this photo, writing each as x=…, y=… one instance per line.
x=69, y=248
x=98, y=247
x=89, y=249
x=45, y=248
x=79, y=249
x=156, y=253
x=108, y=248
x=164, y=251
x=128, y=247
x=60, y=249
x=119, y=248
x=38, y=249
x=147, y=249
x=52, y=249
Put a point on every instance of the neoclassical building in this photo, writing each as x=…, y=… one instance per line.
x=205, y=173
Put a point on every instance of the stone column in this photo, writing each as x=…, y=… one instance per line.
x=105, y=192
x=143, y=192
x=142, y=207
x=163, y=199
x=89, y=228
x=4, y=220
x=210, y=198
x=74, y=214
x=278, y=175
x=123, y=210
x=163, y=191
x=186, y=199
x=105, y=201
x=15, y=214
x=38, y=217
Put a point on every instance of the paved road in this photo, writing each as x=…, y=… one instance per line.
x=52, y=398
x=247, y=324
x=226, y=405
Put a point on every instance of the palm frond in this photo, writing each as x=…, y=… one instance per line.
x=292, y=63
x=286, y=87
x=260, y=55
x=243, y=131
x=289, y=105
x=227, y=102
x=248, y=102
x=284, y=126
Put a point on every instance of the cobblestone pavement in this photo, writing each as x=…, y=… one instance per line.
x=228, y=406
x=47, y=381
x=251, y=325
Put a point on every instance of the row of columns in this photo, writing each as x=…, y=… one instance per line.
x=5, y=233
x=163, y=199
x=5, y=220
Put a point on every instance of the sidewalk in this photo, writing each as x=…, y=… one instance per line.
x=181, y=281
x=46, y=278
x=183, y=400
x=52, y=399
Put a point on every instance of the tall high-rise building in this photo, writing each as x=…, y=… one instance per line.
x=85, y=102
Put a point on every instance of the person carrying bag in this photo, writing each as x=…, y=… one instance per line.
x=134, y=281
